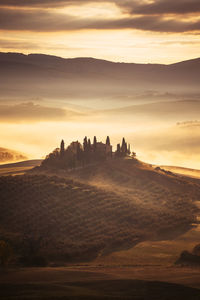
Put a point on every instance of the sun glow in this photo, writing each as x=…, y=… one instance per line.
x=94, y=10
x=123, y=46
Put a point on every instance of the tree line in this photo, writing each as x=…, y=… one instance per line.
x=79, y=155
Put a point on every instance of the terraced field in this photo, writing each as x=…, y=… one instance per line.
x=106, y=208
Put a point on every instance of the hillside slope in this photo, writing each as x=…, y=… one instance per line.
x=194, y=173
x=18, y=167
x=106, y=207
x=132, y=175
x=74, y=220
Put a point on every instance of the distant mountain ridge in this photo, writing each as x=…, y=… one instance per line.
x=50, y=76
x=51, y=58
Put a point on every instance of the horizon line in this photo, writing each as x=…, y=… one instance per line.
x=95, y=58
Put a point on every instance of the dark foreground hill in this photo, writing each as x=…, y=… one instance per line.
x=72, y=220
x=106, y=207
x=88, y=287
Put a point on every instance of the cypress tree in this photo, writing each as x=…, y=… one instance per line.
x=95, y=143
x=108, y=141
x=89, y=145
x=62, y=148
x=123, y=147
x=129, y=149
x=79, y=153
x=118, y=148
x=118, y=151
x=126, y=148
x=85, y=144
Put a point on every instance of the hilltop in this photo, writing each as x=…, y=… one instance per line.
x=77, y=155
x=87, y=200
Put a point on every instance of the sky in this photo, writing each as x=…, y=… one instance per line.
x=160, y=31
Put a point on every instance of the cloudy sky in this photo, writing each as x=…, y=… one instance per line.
x=160, y=31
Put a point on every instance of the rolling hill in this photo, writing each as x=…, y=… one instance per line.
x=183, y=171
x=8, y=155
x=92, y=211
x=18, y=167
x=50, y=76
x=166, y=110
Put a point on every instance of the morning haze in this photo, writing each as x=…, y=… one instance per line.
x=99, y=152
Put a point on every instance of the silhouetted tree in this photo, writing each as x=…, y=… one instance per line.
x=62, y=148
x=89, y=145
x=76, y=154
x=79, y=154
x=95, y=143
x=118, y=148
x=129, y=149
x=133, y=155
x=118, y=151
x=124, y=147
x=85, y=144
x=108, y=141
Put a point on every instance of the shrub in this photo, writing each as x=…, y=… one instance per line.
x=196, y=250
x=33, y=261
x=188, y=259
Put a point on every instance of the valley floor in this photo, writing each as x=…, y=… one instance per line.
x=146, y=271
x=101, y=282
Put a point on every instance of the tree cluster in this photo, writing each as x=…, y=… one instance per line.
x=123, y=149
x=79, y=155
